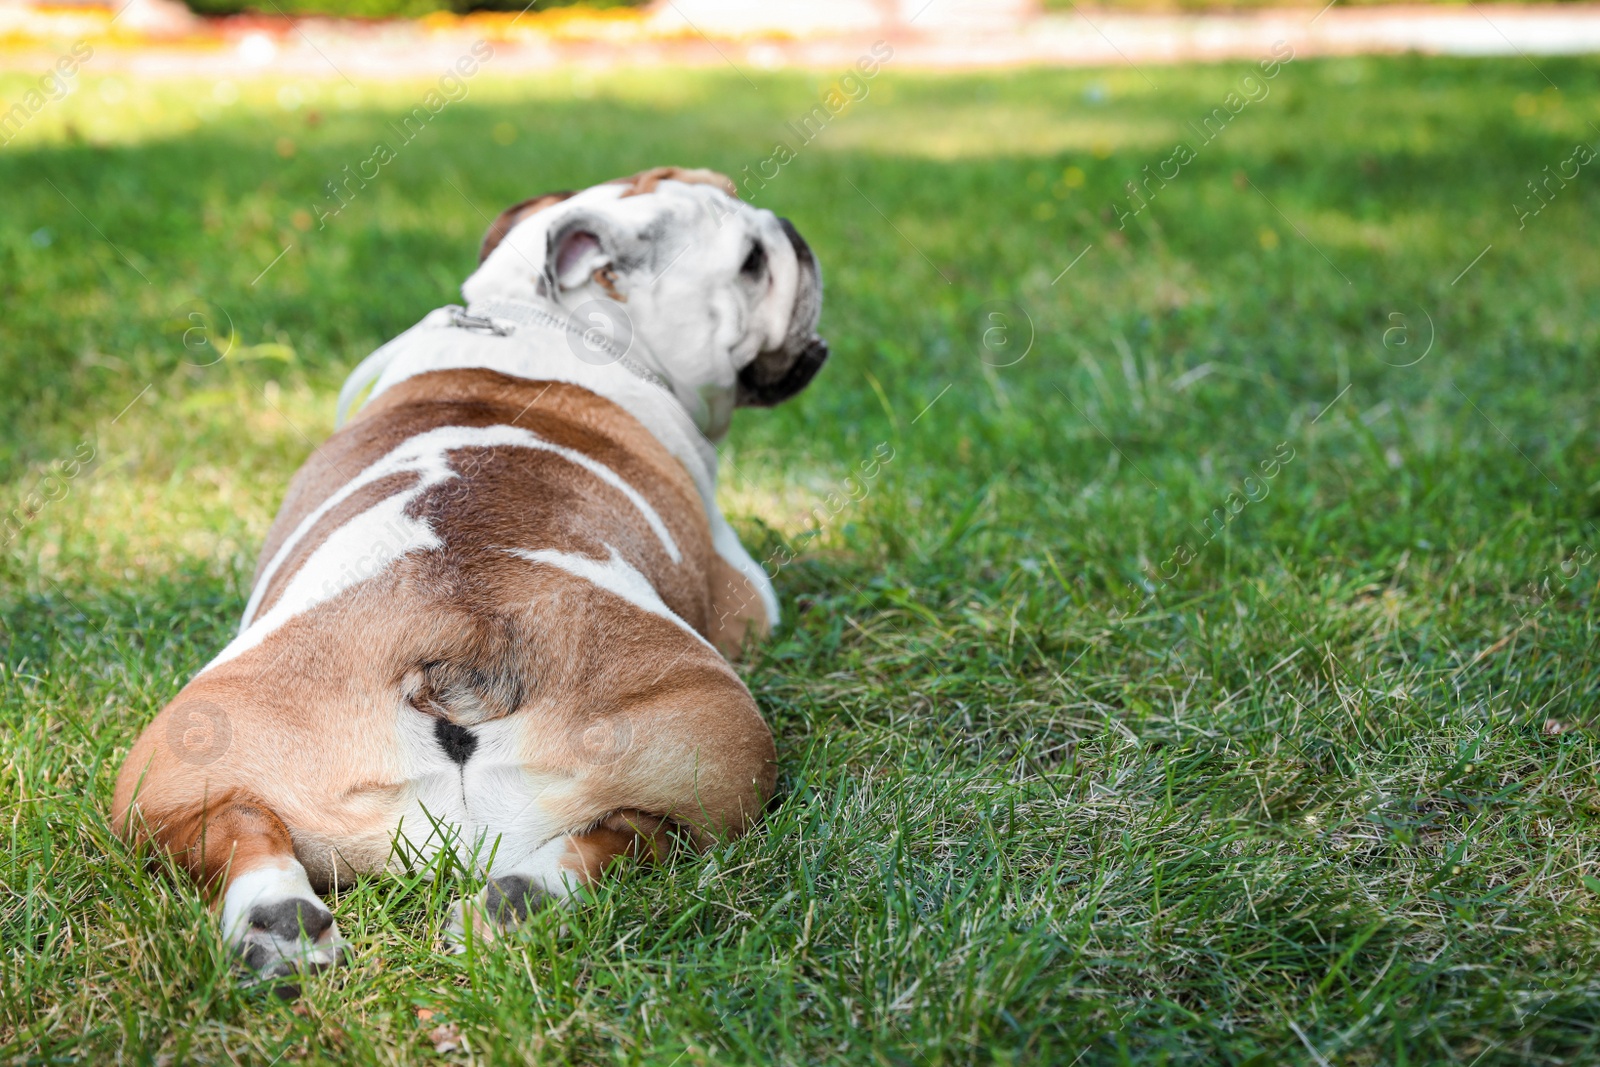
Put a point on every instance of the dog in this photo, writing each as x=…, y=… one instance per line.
x=495, y=612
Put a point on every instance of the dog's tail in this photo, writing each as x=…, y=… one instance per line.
x=476, y=674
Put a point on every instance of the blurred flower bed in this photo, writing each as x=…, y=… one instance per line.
x=370, y=9
x=134, y=21
x=396, y=37
x=35, y=23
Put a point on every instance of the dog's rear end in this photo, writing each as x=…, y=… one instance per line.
x=488, y=617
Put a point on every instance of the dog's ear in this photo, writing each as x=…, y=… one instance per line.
x=513, y=215
x=779, y=373
x=577, y=256
x=579, y=249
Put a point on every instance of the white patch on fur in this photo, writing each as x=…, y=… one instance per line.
x=369, y=369
x=384, y=532
x=265, y=885
x=384, y=527
x=615, y=575
x=492, y=813
x=543, y=867
x=732, y=550
x=491, y=807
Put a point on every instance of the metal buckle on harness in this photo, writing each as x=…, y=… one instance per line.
x=498, y=327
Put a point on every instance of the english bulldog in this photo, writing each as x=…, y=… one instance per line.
x=493, y=613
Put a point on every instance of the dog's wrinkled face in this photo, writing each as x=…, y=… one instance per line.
x=719, y=298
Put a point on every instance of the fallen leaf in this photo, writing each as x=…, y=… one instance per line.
x=446, y=1038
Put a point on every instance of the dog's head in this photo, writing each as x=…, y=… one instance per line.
x=719, y=298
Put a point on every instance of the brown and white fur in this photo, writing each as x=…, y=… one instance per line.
x=492, y=614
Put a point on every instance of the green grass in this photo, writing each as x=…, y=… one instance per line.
x=1327, y=782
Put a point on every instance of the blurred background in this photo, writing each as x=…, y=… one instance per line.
x=385, y=36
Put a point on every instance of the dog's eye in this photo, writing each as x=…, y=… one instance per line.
x=754, y=263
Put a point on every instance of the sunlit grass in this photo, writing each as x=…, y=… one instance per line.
x=1329, y=784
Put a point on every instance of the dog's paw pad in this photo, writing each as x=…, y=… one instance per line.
x=290, y=920
x=503, y=905
x=509, y=900
x=286, y=937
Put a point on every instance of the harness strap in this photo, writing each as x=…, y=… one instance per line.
x=501, y=318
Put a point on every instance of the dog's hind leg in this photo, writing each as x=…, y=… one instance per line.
x=270, y=913
x=554, y=871
x=691, y=760
x=241, y=852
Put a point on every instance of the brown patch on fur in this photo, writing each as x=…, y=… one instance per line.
x=647, y=180
x=606, y=278
x=643, y=182
x=231, y=836
x=738, y=615
x=287, y=713
x=514, y=214
x=623, y=833
x=696, y=750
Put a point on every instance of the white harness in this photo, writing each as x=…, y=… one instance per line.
x=503, y=318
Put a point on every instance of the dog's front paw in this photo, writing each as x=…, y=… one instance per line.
x=503, y=905
x=278, y=928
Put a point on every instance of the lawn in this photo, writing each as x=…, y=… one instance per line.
x=1205, y=674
